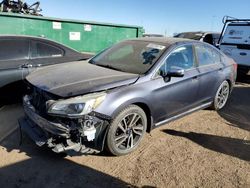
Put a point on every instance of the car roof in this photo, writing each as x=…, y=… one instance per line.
x=26, y=37
x=238, y=22
x=4, y=36
x=163, y=40
x=199, y=32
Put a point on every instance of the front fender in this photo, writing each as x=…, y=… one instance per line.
x=9, y=76
x=118, y=99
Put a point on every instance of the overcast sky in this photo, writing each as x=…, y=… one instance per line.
x=156, y=16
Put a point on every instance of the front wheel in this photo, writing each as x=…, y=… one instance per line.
x=221, y=96
x=126, y=131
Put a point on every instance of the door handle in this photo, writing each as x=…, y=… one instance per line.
x=195, y=77
x=27, y=65
x=243, y=54
x=38, y=65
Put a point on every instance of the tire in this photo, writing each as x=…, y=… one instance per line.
x=221, y=96
x=126, y=131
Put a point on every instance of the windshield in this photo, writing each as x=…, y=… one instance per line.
x=130, y=56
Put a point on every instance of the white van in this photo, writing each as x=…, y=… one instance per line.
x=235, y=42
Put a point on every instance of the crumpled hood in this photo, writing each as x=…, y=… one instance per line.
x=77, y=78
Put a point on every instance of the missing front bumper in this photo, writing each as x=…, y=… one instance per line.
x=36, y=134
x=62, y=138
x=41, y=138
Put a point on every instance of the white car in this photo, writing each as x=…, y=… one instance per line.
x=208, y=37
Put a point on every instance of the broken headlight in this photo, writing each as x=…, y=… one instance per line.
x=76, y=106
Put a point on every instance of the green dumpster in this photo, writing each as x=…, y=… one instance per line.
x=84, y=36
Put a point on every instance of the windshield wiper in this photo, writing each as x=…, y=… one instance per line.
x=109, y=67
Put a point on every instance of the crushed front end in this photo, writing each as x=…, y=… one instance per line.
x=84, y=133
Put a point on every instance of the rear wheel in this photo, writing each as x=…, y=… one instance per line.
x=221, y=96
x=126, y=130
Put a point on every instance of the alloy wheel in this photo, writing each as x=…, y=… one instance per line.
x=129, y=131
x=222, y=95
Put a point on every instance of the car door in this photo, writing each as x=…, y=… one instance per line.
x=209, y=66
x=179, y=94
x=14, y=55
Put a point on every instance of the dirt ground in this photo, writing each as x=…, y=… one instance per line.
x=205, y=149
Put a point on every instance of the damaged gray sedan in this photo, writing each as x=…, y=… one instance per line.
x=111, y=100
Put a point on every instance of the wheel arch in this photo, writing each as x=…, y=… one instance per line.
x=147, y=111
x=230, y=83
x=143, y=105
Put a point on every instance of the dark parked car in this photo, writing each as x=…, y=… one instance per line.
x=152, y=35
x=126, y=90
x=208, y=37
x=20, y=55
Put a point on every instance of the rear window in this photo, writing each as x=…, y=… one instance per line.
x=42, y=50
x=237, y=34
x=14, y=50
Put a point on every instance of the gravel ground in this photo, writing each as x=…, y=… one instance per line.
x=204, y=149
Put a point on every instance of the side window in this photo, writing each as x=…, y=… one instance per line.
x=216, y=39
x=208, y=38
x=14, y=49
x=206, y=55
x=42, y=50
x=181, y=57
x=216, y=55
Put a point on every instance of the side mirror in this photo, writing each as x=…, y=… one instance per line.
x=175, y=72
